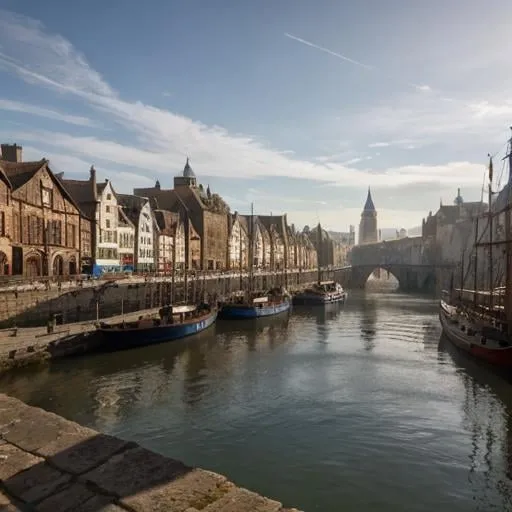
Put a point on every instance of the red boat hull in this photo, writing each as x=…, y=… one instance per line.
x=499, y=356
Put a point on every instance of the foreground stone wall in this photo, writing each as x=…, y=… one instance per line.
x=50, y=464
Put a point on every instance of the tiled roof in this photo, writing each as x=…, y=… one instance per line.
x=82, y=193
x=20, y=173
x=132, y=206
x=167, y=221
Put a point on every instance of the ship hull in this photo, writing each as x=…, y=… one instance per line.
x=305, y=299
x=243, y=311
x=472, y=344
x=118, y=338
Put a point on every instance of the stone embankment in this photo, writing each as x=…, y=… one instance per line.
x=28, y=345
x=31, y=305
x=50, y=464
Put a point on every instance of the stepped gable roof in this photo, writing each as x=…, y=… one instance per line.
x=20, y=173
x=167, y=221
x=369, y=206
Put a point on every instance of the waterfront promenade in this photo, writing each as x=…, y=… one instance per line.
x=50, y=464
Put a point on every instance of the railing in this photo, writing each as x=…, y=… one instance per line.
x=65, y=282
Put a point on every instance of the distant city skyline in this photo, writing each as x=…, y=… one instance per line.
x=297, y=107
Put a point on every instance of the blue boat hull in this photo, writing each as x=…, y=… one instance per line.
x=120, y=339
x=232, y=311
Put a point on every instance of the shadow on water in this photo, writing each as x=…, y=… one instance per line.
x=487, y=415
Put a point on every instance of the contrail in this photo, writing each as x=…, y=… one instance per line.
x=419, y=87
x=330, y=52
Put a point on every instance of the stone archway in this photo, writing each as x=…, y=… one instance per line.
x=33, y=266
x=58, y=265
x=361, y=274
x=4, y=264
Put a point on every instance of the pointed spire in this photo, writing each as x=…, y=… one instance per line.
x=208, y=192
x=187, y=170
x=369, y=206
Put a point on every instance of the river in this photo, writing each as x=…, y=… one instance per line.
x=358, y=407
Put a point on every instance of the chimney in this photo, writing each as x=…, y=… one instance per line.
x=92, y=180
x=12, y=152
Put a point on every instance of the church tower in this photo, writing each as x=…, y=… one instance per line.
x=368, y=232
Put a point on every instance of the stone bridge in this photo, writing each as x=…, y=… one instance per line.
x=407, y=259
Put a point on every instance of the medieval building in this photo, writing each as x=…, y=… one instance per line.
x=41, y=229
x=368, y=232
x=207, y=212
x=138, y=210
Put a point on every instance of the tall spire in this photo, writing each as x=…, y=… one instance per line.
x=369, y=206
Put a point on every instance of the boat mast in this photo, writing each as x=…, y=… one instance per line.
x=475, y=276
x=319, y=251
x=491, y=283
x=508, y=255
x=251, y=248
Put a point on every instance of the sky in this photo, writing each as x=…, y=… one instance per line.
x=295, y=105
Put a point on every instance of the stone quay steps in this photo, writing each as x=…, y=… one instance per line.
x=50, y=464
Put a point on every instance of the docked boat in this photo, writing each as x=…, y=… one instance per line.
x=324, y=292
x=483, y=341
x=276, y=301
x=171, y=323
x=479, y=320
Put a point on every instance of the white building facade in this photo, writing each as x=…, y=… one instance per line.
x=145, y=255
x=107, y=220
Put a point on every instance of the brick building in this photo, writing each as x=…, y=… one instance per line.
x=207, y=212
x=40, y=220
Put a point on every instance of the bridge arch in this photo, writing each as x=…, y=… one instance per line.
x=361, y=275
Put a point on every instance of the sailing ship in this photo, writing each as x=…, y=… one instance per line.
x=479, y=321
x=254, y=305
x=171, y=323
x=322, y=292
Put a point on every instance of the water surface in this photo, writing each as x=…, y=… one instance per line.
x=356, y=408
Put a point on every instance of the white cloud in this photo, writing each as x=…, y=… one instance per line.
x=162, y=138
x=484, y=109
x=423, y=88
x=379, y=145
x=16, y=106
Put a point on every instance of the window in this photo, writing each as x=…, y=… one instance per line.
x=107, y=208
x=109, y=197
x=46, y=196
x=107, y=224
x=2, y=223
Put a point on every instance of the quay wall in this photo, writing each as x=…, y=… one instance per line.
x=35, y=307
x=49, y=464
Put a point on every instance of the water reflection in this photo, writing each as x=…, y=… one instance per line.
x=487, y=409
x=323, y=316
x=360, y=404
x=368, y=322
